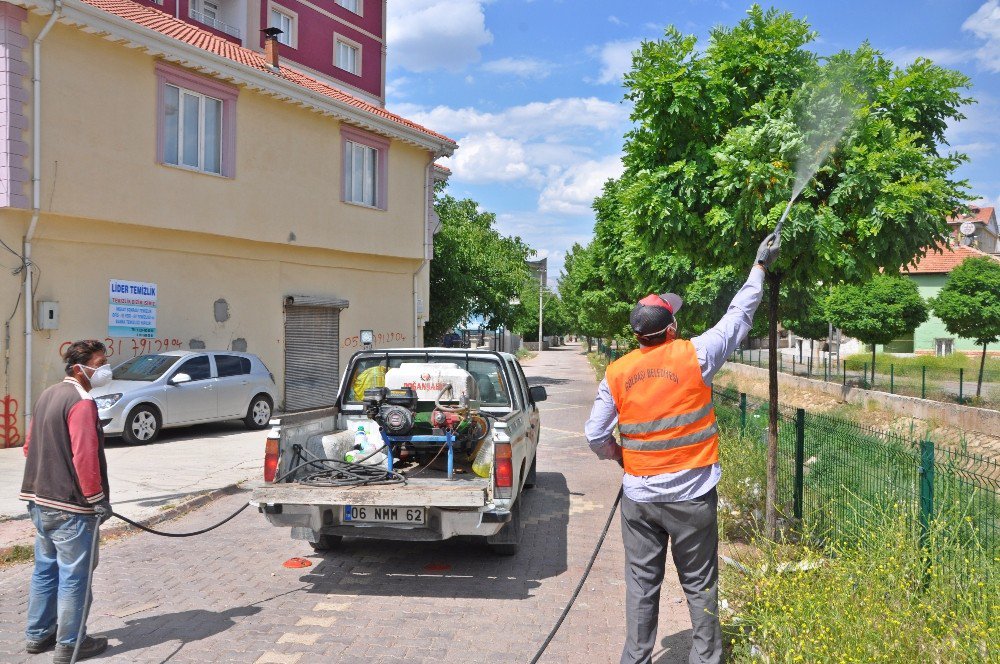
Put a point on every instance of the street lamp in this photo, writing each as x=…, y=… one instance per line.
x=541, y=267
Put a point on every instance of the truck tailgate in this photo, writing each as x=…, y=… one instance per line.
x=467, y=493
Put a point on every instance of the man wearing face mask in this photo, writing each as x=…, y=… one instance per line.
x=66, y=486
x=660, y=396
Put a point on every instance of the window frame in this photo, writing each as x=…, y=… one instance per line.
x=293, y=22
x=338, y=39
x=244, y=365
x=194, y=358
x=198, y=85
x=360, y=10
x=381, y=147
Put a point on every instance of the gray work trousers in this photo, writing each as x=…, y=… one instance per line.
x=691, y=526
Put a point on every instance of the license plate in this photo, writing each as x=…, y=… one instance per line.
x=416, y=516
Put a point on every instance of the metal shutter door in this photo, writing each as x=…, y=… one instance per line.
x=312, y=357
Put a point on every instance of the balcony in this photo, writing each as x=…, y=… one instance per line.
x=215, y=23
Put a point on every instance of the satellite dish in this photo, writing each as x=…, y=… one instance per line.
x=967, y=228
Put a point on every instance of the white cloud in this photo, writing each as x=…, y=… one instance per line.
x=985, y=24
x=490, y=158
x=520, y=67
x=945, y=57
x=435, y=34
x=574, y=190
x=616, y=59
x=614, y=20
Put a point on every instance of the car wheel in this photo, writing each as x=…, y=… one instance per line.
x=259, y=412
x=326, y=543
x=141, y=426
x=530, y=479
x=506, y=542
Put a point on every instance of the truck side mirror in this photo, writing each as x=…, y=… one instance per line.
x=537, y=393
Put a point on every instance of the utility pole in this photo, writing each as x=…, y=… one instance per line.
x=542, y=267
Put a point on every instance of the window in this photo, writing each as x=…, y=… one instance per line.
x=231, y=365
x=145, y=367
x=197, y=122
x=284, y=21
x=365, y=168
x=944, y=347
x=348, y=56
x=196, y=367
x=351, y=5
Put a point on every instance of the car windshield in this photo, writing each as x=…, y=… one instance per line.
x=145, y=367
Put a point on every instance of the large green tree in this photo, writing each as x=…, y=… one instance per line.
x=476, y=271
x=711, y=162
x=878, y=311
x=969, y=304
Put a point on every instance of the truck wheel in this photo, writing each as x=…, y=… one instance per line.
x=506, y=542
x=326, y=543
x=530, y=479
x=141, y=426
x=258, y=413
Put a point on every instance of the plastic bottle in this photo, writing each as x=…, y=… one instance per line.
x=361, y=440
x=482, y=464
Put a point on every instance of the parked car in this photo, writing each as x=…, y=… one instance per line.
x=178, y=388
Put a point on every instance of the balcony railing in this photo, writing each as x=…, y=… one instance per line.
x=215, y=23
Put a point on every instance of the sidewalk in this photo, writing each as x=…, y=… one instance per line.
x=148, y=480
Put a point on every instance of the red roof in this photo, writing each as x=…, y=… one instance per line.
x=154, y=19
x=943, y=259
x=980, y=214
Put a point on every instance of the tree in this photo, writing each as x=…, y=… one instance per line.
x=969, y=304
x=806, y=317
x=878, y=311
x=476, y=271
x=711, y=161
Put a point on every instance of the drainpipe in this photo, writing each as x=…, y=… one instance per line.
x=428, y=193
x=36, y=199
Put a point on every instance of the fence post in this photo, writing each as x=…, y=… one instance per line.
x=781, y=362
x=923, y=382
x=843, y=373
x=864, y=376
x=961, y=380
x=926, y=489
x=743, y=412
x=826, y=369
x=793, y=365
x=800, y=454
x=809, y=367
x=892, y=379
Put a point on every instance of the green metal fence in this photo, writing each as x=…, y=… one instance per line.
x=835, y=475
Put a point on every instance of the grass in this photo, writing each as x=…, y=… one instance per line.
x=905, y=365
x=599, y=362
x=19, y=553
x=524, y=354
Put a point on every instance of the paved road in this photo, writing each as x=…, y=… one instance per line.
x=225, y=596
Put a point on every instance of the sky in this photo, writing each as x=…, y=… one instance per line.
x=532, y=89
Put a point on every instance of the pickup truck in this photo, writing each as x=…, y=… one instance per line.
x=480, y=499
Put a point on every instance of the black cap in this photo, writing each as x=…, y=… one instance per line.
x=653, y=314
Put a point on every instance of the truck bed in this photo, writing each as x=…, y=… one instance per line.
x=465, y=491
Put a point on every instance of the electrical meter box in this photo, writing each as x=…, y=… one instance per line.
x=48, y=316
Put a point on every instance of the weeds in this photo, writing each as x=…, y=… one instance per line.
x=599, y=362
x=19, y=553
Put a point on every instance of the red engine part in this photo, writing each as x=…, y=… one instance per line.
x=445, y=420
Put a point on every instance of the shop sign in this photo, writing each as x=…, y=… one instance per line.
x=132, y=309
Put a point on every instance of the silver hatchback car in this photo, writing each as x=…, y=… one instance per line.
x=178, y=388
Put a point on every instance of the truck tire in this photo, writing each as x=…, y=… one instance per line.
x=530, y=479
x=506, y=542
x=326, y=543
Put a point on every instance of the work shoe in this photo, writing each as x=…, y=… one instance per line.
x=41, y=645
x=90, y=647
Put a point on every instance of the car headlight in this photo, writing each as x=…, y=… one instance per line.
x=107, y=400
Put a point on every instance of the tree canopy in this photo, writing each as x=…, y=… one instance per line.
x=476, y=271
x=969, y=304
x=876, y=312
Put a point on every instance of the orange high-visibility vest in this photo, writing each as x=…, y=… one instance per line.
x=665, y=413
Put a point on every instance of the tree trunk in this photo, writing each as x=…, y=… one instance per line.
x=771, y=500
x=982, y=366
x=873, y=365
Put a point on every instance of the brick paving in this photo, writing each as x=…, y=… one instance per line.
x=225, y=596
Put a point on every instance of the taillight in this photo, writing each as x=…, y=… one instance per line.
x=503, y=473
x=270, y=459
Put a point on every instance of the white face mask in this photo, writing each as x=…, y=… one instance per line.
x=100, y=377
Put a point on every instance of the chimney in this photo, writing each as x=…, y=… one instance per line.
x=271, y=47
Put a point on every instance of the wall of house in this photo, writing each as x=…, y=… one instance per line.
x=924, y=336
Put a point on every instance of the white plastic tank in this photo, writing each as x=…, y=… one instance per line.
x=427, y=380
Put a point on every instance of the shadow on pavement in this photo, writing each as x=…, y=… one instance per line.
x=458, y=567
x=675, y=648
x=183, y=626
x=546, y=380
x=207, y=430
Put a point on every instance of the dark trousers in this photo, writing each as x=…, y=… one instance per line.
x=691, y=527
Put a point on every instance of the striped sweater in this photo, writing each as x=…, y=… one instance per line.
x=65, y=467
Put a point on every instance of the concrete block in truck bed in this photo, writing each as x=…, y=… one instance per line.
x=469, y=493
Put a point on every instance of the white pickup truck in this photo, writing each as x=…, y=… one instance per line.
x=493, y=453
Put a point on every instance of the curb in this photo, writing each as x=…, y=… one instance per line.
x=121, y=528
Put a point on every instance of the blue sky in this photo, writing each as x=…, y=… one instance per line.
x=531, y=89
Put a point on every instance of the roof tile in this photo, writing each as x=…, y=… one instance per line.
x=943, y=259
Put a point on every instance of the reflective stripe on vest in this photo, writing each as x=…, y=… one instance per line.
x=665, y=413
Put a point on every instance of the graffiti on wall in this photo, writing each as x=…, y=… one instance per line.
x=9, y=435
x=380, y=338
x=123, y=348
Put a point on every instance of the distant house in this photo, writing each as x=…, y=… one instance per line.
x=930, y=274
x=977, y=229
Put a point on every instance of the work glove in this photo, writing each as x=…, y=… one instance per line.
x=103, y=510
x=767, y=252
